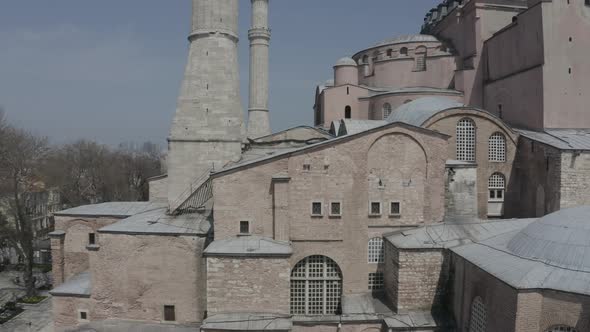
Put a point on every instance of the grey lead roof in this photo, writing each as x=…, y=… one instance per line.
x=249, y=246
x=418, y=111
x=160, y=223
x=112, y=209
x=247, y=322
x=78, y=286
x=346, y=61
x=351, y=127
x=563, y=139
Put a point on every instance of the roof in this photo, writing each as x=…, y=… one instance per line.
x=367, y=303
x=411, y=90
x=247, y=322
x=350, y=127
x=563, y=139
x=112, y=325
x=560, y=239
x=160, y=223
x=346, y=61
x=249, y=246
x=448, y=235
x=112, y=209
x=76, y=286
x=422, y=109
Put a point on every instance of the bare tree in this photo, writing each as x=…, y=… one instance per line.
x=21, y=159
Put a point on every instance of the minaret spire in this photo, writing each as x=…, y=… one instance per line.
x=207, y=130
x=259, y=35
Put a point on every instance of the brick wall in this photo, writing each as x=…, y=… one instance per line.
x=575, y=179
x=461, y=192
x=248, y=285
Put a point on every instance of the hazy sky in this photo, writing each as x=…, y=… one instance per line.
x=110, y=70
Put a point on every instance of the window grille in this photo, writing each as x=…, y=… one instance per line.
x=316, y=287
x=169, y=313
x=403, y=51
x=386, y=110
x=562, y=328
x=421, y=62
x=466, y=140
x=91, y=238
x=395, y=208
x=244, y=227
x=478, y=320
x=316, y=209
x=335, y=209
x=496, y=187
x=376, y=281
x=376, y=250
x=497, y=147
x=375, y=208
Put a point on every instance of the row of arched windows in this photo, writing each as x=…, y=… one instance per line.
x=467, y=138
x=420, y=54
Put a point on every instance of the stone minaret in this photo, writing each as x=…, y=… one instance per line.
x=259, y=35
x=208, y=129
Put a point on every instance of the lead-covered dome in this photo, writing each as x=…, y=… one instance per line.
x=346, y=61
x=561, y=239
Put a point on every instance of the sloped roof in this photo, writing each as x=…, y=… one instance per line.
x=422, y=109
x=247, y=322
x=77, y=286
x=563, y=139
x=248, y=246
x=112, y=209
x=351, y=127
x=160, y=223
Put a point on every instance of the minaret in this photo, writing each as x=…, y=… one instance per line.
x=259, y=35
x=207, y=130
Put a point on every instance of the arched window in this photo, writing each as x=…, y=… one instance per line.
x=420, y=58
x=390, y=52
x=365, y=59
x=403, y=51
x=479, y=316
x=316, y=287
x=466, y=140
x=561, y=328
x=347, y=112
x=376, y=250
x=386, y=110
x=497, y=186
x=497, y=147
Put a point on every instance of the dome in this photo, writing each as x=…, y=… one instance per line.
x=346, y=61
x=421, y=109
x=560, y=239
x=329, y=83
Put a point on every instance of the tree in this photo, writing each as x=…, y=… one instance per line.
x=21, y=160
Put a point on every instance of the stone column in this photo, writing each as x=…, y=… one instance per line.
x=259, y=35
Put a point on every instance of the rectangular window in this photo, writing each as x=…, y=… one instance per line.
x=316, y=209
x=307, y=167
x=375, y=208
x=395, y=209
x=169, y=313
x=335, y=209
x=83, y=315
x=244, y=227
x=376, y=281
x=91, y=238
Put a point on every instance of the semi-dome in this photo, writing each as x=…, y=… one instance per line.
x=346, y=61
x=560, y=239
x=421, y=109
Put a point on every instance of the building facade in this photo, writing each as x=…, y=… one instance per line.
x=389, y=215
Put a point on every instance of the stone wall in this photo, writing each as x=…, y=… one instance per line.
x=135, y=276
x=159, y=189
x=416, y=279
x=461, y=192
x=70, y=256
x=66, y=312
x=235, y=285
x=575, y=179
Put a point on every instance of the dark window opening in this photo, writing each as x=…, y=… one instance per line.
x=395, y=208
x=569, y=70
x=403, y=51
x=316, y=208
x=347, y=112
x=572, y=39
x=500, y=111
x=514, y=19
x=244, y=227
x=91, y=238
x=335, y=208
x=587, y=2
x=389, y=52
x=83, y=315
x=375, y=208
x=169, y=313
x=347, y=90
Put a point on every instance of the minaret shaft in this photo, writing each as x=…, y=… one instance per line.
x=259, y=36
x=207, y=130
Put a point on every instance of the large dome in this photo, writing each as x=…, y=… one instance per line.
x=561, y=239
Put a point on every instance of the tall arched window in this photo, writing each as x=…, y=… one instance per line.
x=497, y=147
x=386, y=110
x=561, y=328
x=347, y=112
x=420, y=58
x=466, y=140
x=376, y=250
x=479, y=316
x=316, y=287
x=403, y=51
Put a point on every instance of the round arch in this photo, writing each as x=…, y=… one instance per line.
x=316, y=287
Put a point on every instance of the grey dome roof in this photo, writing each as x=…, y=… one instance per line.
x=422, y=109
x=408, y=39
x=346, y=61
x=560, y=239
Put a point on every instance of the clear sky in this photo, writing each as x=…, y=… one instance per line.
x=110, y=70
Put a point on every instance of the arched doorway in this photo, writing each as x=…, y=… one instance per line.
x=316, y=287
